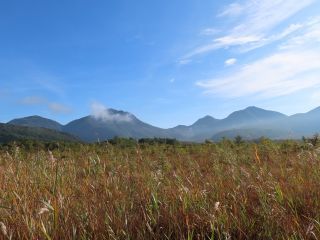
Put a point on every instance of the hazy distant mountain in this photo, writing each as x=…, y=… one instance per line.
x=303, y=124
x=251, y=115
x=252, y=134
x=250, y=123
x=278, y=127
x=200, y=128
x=115, y=123
x=208, y=126
x=37, y=121
x=9, y=132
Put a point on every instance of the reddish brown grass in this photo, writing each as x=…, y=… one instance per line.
x=205, y=191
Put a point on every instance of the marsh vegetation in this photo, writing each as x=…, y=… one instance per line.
x=150, y=190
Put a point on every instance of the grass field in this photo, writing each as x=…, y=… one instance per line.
x=226, y=190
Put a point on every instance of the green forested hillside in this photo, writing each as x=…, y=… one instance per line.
x=10, y=132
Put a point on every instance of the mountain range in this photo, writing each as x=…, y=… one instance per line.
x=250, y=123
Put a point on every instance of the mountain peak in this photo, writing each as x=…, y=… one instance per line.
x=252, y=114
x=206, y=120
x=250, y=108
x=33, y=117
x=207, y=117
x=36, y=121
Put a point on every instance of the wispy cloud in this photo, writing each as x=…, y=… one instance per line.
x=184, y=61
x=209, y=31
x=226, y=41
x=33, y=100
x=249, y=46
x=276, y=75
x=230, y=62
x=255, y=22
x=262, y=16
x=101, y=112
x=291, y=65
x=56, y=108
x=309, y=36
x=232, y=10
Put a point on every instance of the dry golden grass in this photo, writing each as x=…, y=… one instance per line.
x=208, y=191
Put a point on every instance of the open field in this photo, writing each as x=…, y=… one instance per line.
x=226, y=190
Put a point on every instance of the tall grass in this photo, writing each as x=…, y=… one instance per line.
x=206, y=191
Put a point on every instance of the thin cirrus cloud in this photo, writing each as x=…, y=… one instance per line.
x=309, y=36
x=276, y=75
x=53, y=107
x=233, y=9
x=255, y=22
x=262, y=16
x=33, y=100
x=293, y=66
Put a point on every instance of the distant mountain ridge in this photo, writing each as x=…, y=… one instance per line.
x=251, y=123
x=207, y=127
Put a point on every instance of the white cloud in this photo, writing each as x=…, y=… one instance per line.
x=232, y=10
x=245, y=43
x=101, y=112
x=230, y=62
x=280, y=74
x=310, y=35
x=54, y=107
x=262, y=16
x=273, y=38
x=255, y=22
x=227, y=41
x=292, y=64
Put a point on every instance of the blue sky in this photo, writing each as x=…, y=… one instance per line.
x=167, y=62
